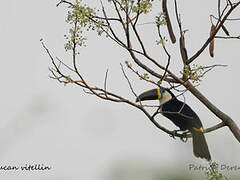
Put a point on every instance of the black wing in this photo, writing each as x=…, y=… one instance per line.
x=181, y=115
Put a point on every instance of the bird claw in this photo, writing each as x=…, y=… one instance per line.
x=174, y=132
x=184, y=137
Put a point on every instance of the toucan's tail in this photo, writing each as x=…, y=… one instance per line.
x=200, y=147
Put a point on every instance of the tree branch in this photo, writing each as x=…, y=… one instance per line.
x=224, y=117
x=213, y=34
x=129, y=25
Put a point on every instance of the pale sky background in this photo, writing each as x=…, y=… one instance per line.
x=82, y=137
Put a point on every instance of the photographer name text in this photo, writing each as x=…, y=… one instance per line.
x=222, y=167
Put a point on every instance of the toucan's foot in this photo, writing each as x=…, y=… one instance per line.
x=174, y=132
x=184, y=136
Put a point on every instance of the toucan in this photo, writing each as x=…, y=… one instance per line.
x=182, y=116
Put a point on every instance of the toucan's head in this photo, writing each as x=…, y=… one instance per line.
x=161, y=94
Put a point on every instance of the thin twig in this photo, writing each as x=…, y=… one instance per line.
x=166, y=52
x=67, y=66
x=105, y=83
x=129, y=83
x=227, y=37
x=67, y=2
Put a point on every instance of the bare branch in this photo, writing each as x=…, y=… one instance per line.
x=166, y=52
x=228, y=37
x=129, y=83
x=224, y=117
x=67, y=66
x=141, y=76
x=213, y=34
x=105, y=83
x=67, y=2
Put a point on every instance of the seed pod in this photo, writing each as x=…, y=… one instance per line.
x=183, y=50
x=169, y=26
x=211, y=45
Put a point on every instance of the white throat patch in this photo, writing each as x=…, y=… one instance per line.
x=166, y=96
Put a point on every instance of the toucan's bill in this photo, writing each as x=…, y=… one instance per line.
x=152, y=94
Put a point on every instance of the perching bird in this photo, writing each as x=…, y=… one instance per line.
x=182, y=116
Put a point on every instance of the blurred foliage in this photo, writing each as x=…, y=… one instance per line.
x=213, y=172
x=135, y=169
x=174, y=177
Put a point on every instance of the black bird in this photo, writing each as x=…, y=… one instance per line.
x=182, y=116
